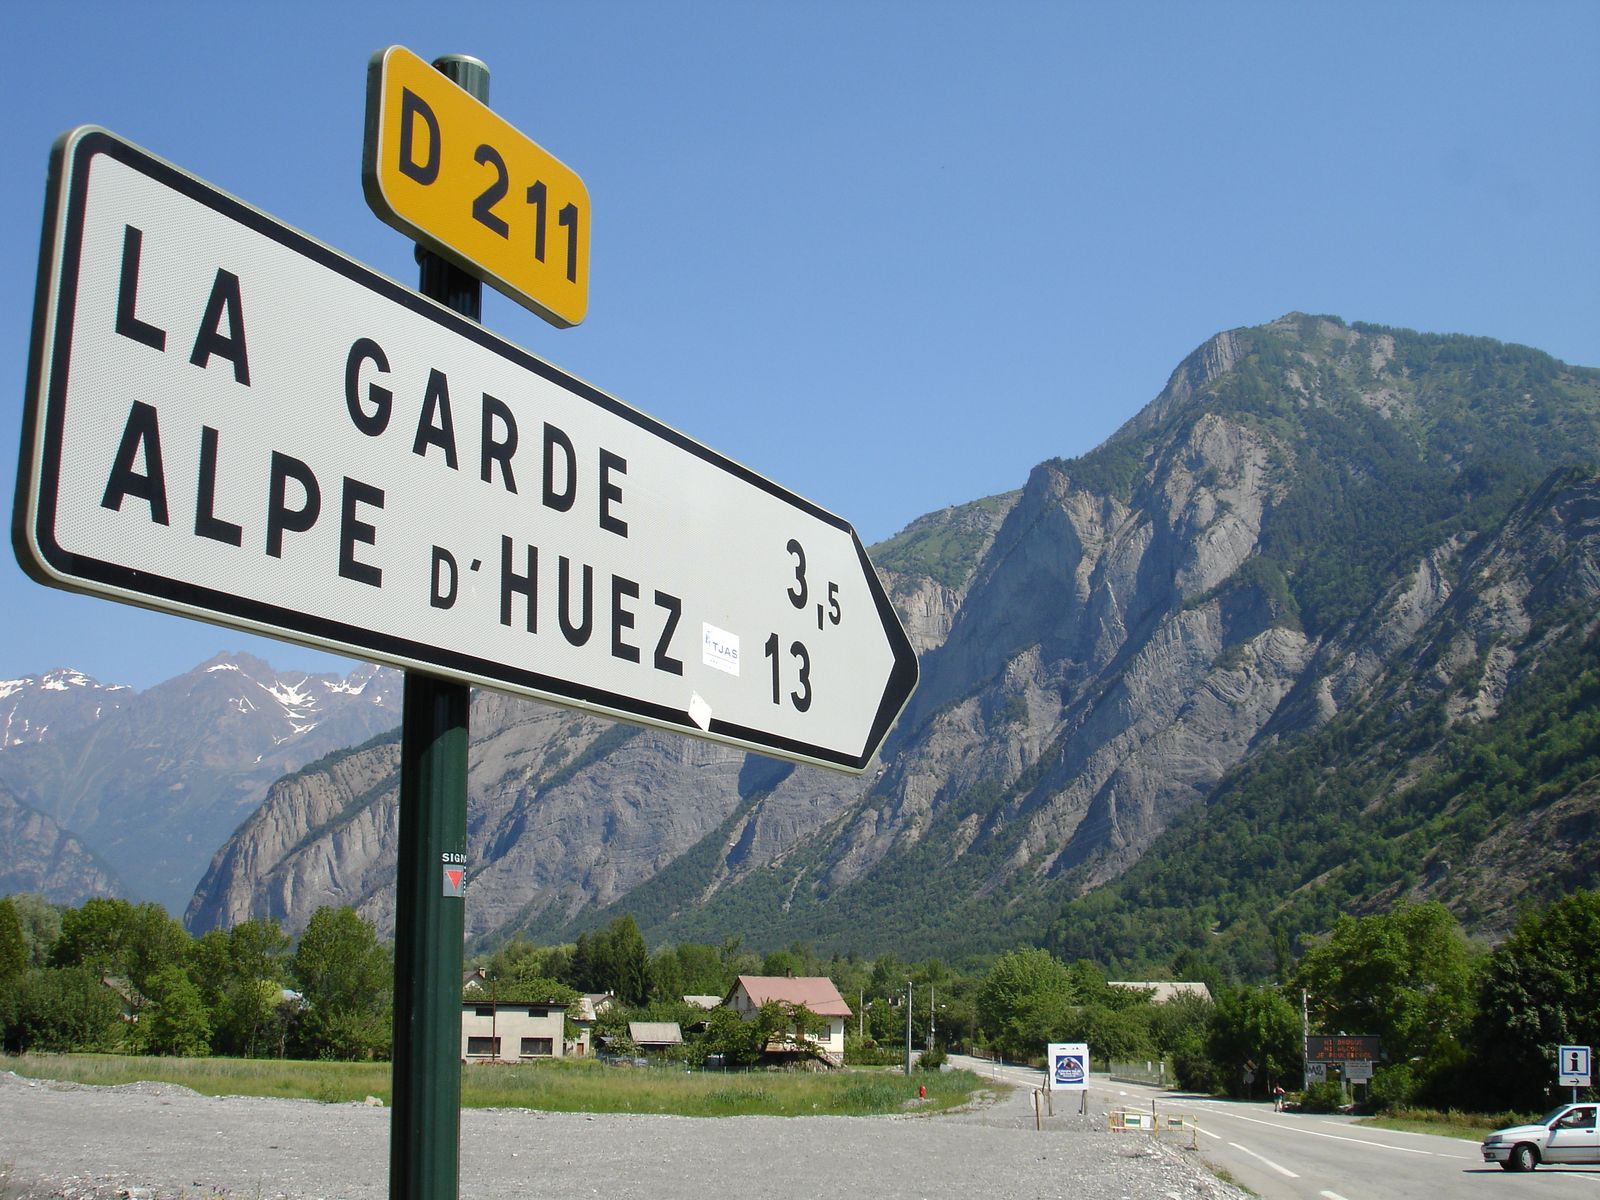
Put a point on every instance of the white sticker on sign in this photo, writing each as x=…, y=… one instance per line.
x=719, y=649
x=699, y=711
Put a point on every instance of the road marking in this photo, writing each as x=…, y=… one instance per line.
x=1335, y=1137
x=1330, y=1195
x=1280, y=1169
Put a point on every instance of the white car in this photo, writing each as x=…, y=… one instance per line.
x=1566, y=1134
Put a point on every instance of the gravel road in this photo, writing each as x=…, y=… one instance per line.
x=156, y=1141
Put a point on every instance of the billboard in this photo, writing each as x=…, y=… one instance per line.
x=1343, y=1047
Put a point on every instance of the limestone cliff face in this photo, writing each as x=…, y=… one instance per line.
x=44, y=858
x=565, y=812
x=1309, y=514
x=1090, y=654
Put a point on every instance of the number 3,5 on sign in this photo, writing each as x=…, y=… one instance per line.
x=443, y=168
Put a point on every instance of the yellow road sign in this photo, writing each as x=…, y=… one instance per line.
x=445, y=169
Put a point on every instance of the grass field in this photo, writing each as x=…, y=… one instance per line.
x=556, y=1086
x=1471, y=1126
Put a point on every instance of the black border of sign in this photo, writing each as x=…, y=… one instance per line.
x=66, y=199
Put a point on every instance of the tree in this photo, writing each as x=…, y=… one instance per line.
x=666, y=976
x=613, y=959
x=782, y=963
x=521, y=954
x=62, y=1009
x=41, y=926
x=1254, y=1032
x=1025, y=1001
x=175, y=1021
x=1179, y=1027
x=1540, y=989
x=737, y=1041
x=13, y=944
x=1405, y=976
x=1119, y=1035
x=116, y=938
x=346, y=981
x=240, y=976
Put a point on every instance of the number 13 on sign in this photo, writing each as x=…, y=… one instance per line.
x=799, y=666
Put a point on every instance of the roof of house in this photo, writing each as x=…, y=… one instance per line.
x=816, y=992
x=655, y=1033
x=703, y=1001
x=591, y=1004
x=1164, y=990
x=506, y=994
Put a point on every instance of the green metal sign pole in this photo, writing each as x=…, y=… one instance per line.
x=425, y=1125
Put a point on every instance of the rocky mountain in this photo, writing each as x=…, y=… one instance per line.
x=1313, y=522
x=61, y=701
x=1465, y=767
x=154, y=781
x=42, y=857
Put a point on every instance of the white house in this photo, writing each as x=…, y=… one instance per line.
x=816, y=993
x=499, y=1030
x=590, y=1006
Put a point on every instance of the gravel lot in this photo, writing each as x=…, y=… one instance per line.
x=160, y=1141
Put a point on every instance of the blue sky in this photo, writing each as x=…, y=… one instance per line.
x=890, y=255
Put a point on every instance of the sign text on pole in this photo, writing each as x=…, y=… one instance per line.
x=229, y=420
x=1342, y=1047
x=443, y=168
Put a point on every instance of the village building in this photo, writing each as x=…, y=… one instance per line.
x=817, y=994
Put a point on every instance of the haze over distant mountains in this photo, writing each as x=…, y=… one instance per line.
x=153, y=781
x=1342, y=556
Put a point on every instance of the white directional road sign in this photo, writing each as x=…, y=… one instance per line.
x=229, y=420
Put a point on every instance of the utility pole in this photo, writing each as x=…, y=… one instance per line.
x=1305, y=1040
x=908, y=1029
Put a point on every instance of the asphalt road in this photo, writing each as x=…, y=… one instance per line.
x=1294, y=1156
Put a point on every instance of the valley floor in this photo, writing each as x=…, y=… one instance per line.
x=161, y=1142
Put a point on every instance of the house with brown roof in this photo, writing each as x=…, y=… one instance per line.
x=816, y=994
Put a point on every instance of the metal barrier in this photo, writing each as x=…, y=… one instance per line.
x=1150, y=1072
x=1125, y=1120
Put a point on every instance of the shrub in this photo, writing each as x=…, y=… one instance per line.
x=864, y=1052
x=932, y=1060
x=1392, y=1088
x=1194, y=1071
x=1324, y=1097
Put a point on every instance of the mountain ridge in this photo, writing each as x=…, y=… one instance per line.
x=1312, y=520
x=153, y=780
